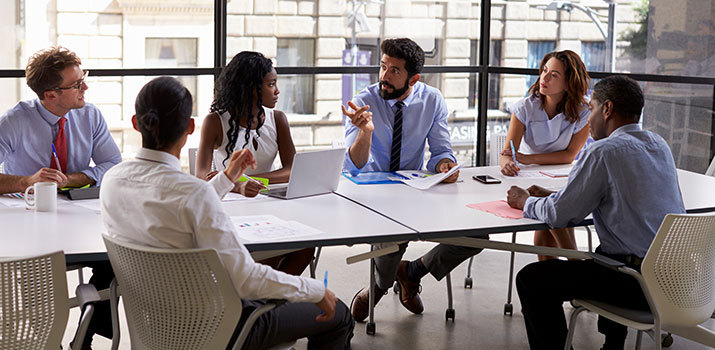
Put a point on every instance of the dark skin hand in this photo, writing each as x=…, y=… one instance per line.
x=516, y=197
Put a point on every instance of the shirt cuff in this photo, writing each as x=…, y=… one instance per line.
x=316, y=290
x=222, y=184
x=530, y=208
x=91, y=174
x=351, y=167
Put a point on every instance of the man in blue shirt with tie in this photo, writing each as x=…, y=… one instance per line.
x=29, y=130
x=59, y=117
x=387, y=129
x=628, y=181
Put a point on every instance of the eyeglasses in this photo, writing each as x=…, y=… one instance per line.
x=77, y=85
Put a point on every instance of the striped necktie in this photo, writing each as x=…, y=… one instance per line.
x=61, y=147
x=396, y=138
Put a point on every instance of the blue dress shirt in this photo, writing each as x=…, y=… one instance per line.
x=424, y=118
x=627, y=180
x=28, y=130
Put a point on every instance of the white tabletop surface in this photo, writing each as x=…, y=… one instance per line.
x=77, y=230
x=442, y=210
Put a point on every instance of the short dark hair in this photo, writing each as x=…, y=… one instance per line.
x=408, y=50
x=44, y=68
x=624, y=93
x=163, y=109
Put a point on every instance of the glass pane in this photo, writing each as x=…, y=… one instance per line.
x=107, y=33
x=683, y=115
x=444, y=29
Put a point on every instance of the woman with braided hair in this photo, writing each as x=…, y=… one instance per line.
x=242, y=117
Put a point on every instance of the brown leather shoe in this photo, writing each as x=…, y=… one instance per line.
x=360, y=306
x=409, y=291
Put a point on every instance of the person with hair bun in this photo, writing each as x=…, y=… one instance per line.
x=172, y=209
x=243, y=117
x=549, y=127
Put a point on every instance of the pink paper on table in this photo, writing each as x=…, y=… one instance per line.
x=498, y=208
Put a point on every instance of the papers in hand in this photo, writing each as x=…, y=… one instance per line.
x=426, y=182
x=267, y=228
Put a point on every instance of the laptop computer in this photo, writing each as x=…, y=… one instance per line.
x=313, y=173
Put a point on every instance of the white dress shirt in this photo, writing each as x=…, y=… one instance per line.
x=150, y=201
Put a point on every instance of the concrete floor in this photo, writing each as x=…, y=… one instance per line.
x=479, y=324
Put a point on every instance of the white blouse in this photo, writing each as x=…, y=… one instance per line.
x=541, y=134
x=263, y=147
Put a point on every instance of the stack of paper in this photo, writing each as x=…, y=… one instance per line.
x=425, y=182
x=556, y=172
x=266, y=228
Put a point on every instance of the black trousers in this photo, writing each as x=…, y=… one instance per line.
x=101, y=322
x=292, y=321
x=543, y=287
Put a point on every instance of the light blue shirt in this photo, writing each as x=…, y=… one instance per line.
x=424, y=118
x=28, y=130
x=627, y=180
x=541, y=134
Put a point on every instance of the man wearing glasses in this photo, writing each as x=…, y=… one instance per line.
x=59, y=117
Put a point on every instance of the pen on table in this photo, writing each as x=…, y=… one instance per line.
x=513, y=153
x=57, y=160
x=254, y=180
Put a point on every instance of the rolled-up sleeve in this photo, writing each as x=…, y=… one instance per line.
x=105, y=152
x=351, y=132
x=440, y=146
x=7, y=138
x=581, y=195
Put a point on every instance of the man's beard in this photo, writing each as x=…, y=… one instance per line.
x=396, y=93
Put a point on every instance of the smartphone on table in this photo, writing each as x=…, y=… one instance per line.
x=486, y=179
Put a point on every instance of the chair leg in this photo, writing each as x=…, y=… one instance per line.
x=639, y=337
x=508, y=307
x=572, y=326
x=370, y=329
x=449, y=314
x=468, y=280
x=114, y=312
x=314, y=262
x=590, y=240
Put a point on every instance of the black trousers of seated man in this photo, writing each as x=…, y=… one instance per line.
x=544, y=286
x=101, y=322
x=291, y=321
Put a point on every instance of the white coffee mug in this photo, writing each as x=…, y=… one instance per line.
x=45, y=198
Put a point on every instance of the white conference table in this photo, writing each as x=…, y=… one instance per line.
x=441, y=213
x=77, y=230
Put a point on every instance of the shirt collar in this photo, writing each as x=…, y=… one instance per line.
x=159, y=157
x=409, y=97
x=626, y=128
x=48, y=116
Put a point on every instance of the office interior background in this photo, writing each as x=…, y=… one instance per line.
x=326, y=50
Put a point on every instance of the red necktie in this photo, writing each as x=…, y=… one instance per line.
x=61, y=146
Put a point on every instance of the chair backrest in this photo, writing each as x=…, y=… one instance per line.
x=174, y=298
x=34, y=304
x=711, y=168
x=496, y=145
x=679, y=269
x=192, y=160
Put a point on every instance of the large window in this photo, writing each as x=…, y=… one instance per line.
x=125, y=42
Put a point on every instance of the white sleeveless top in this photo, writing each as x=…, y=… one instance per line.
x=267, y=143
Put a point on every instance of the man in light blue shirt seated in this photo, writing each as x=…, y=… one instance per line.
x=29, y=130
x=628, y=181
x=386, y=130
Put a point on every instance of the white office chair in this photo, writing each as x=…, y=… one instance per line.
x=678, y=279
x=711, y=168
x=176, y=298
x=34, y=304
x=192, y=160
